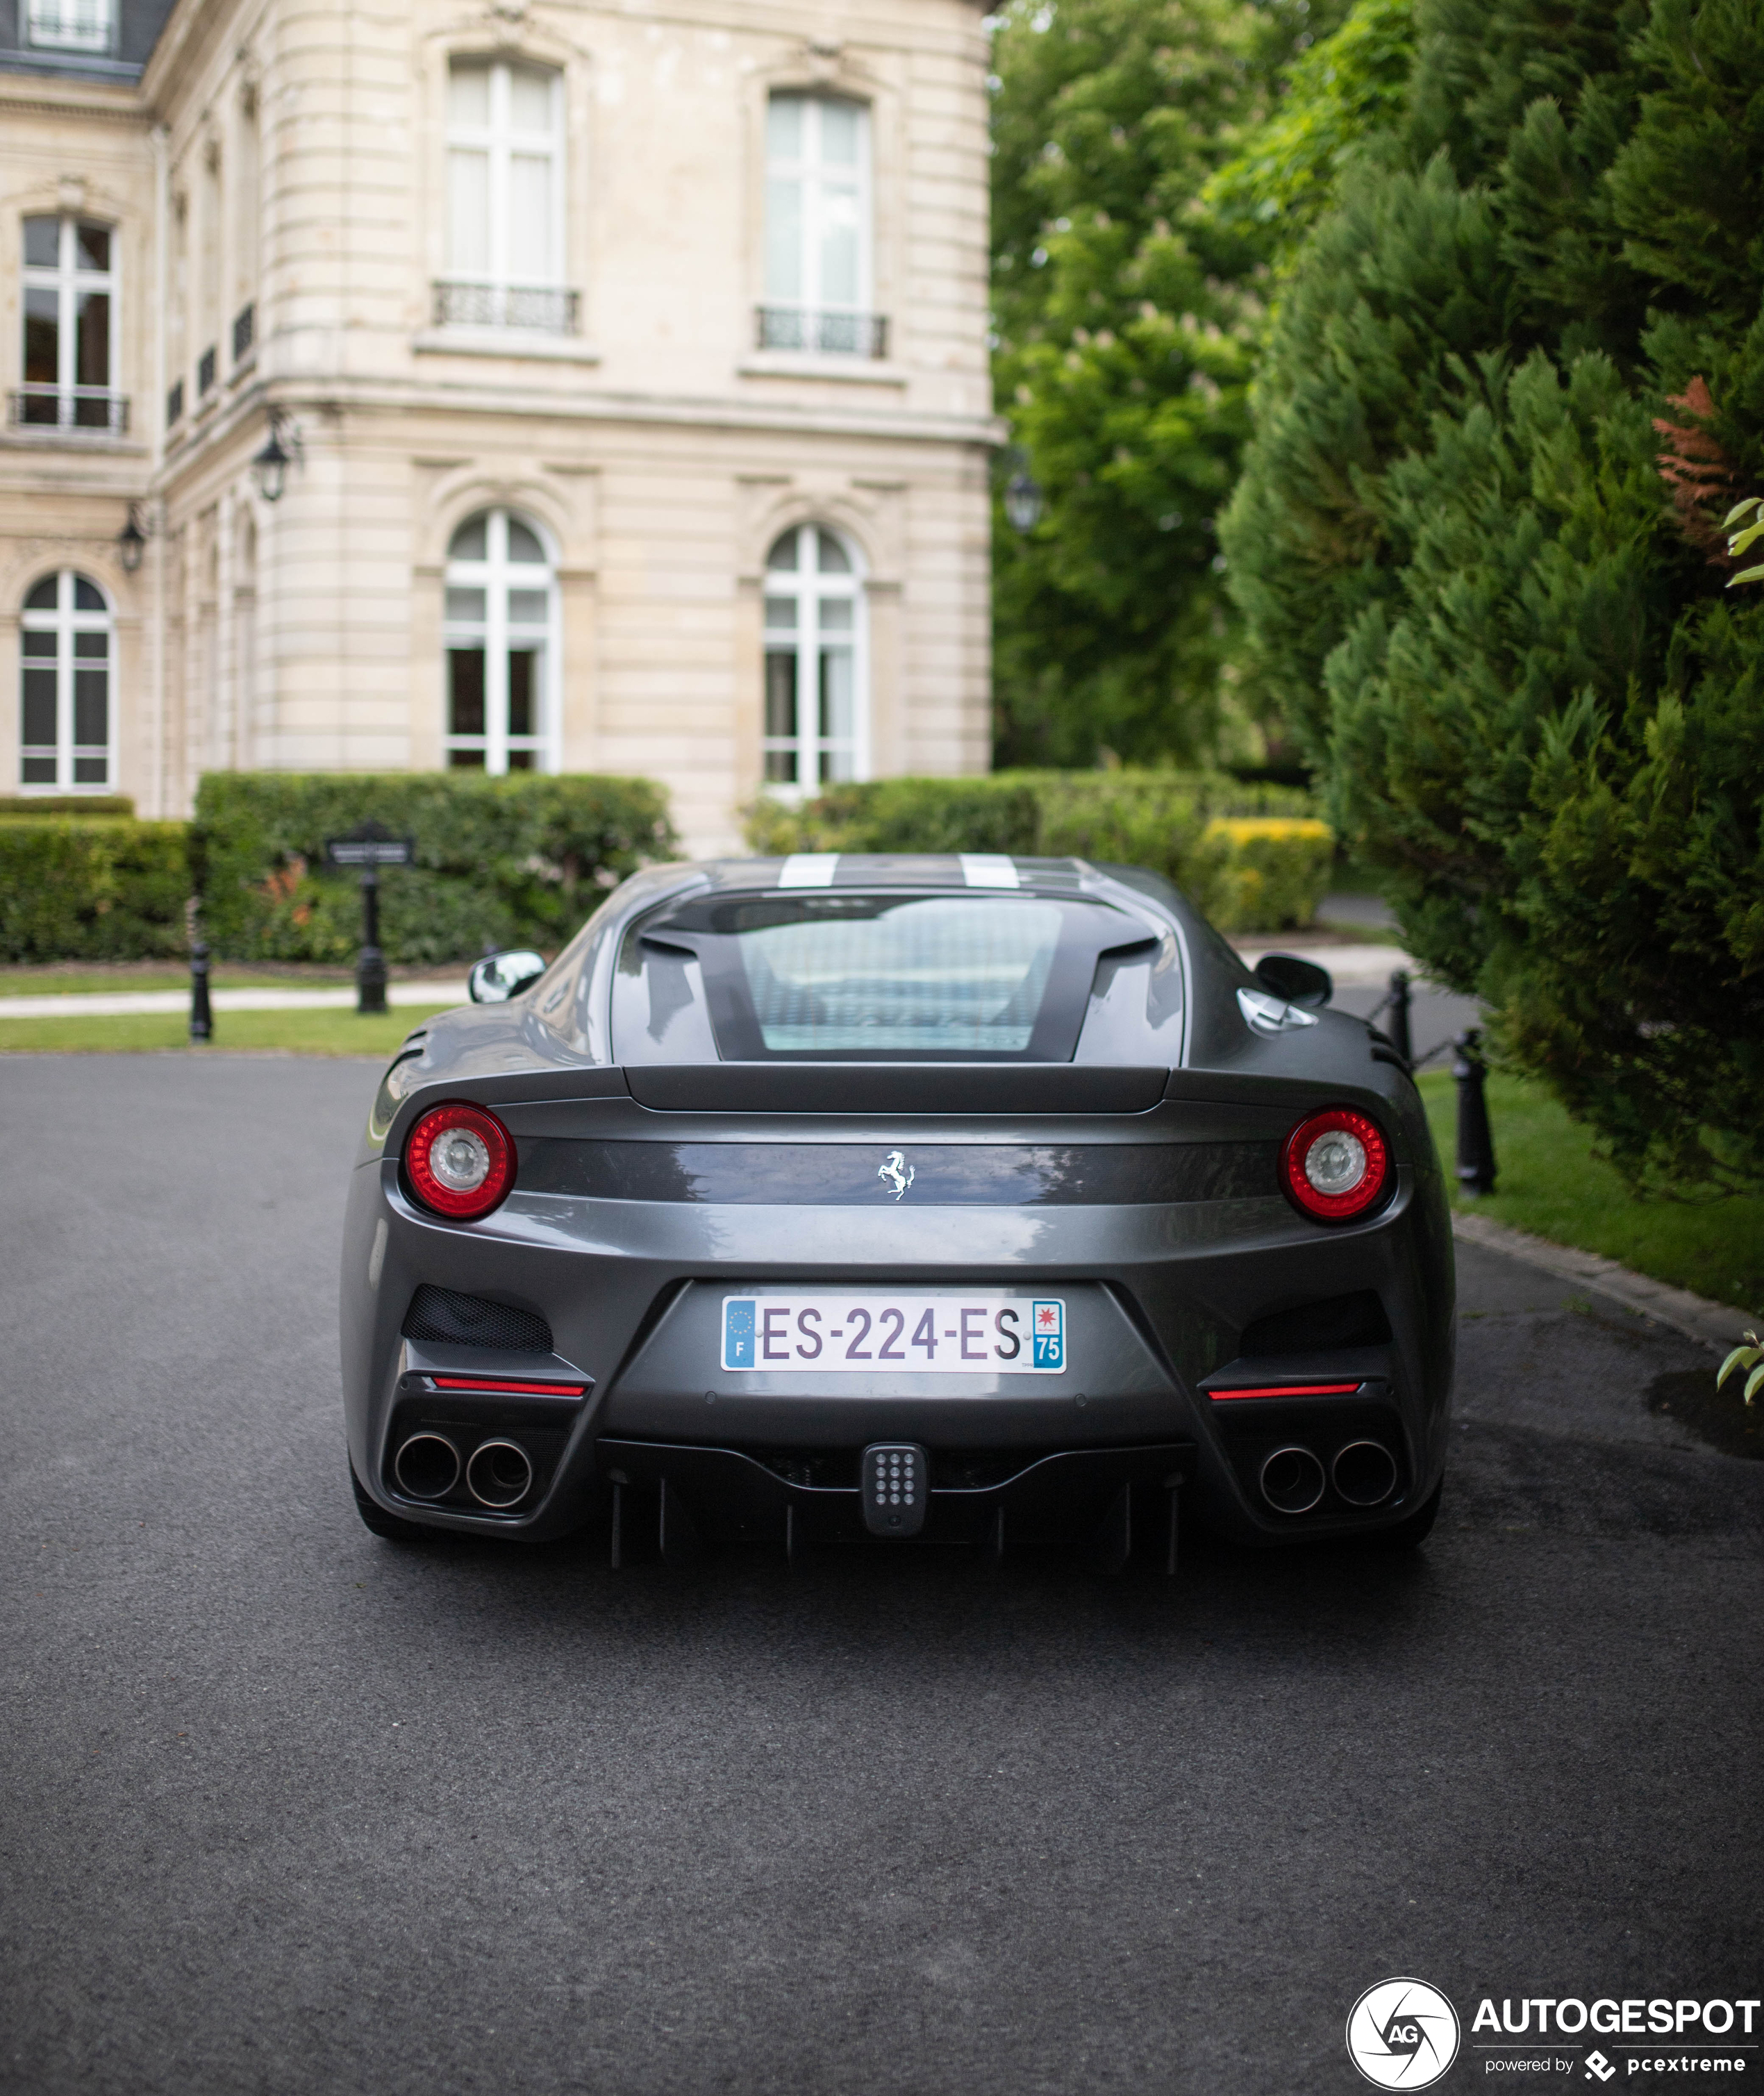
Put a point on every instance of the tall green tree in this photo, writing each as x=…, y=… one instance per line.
x=1514, y=383
x=1126, y=317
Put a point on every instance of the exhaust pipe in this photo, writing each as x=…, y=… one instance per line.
x=1292, y=1480
x=427, y=1466
x=1364, y=1472
x=500, y=1474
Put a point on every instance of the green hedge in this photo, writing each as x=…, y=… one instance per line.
x=103, y=889
x=500, y=861
x=1252, y=858
x=59, y=806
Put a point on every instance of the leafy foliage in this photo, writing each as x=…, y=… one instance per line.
x=1127, y=318
x=1339, y=92
x=107, y=889
x=1459, y=538
x=500, y=861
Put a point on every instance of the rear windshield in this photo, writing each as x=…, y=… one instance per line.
x=891, y=977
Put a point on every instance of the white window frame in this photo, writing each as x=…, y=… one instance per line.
x=496, y=575
x=68, y=280
x=64, y=621
x=818, y=177
x=71, y=25
x=805, y=588
x=501, y=144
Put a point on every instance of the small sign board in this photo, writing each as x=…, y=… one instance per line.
x=370, y=844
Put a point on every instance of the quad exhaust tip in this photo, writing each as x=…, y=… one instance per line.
x=427, y=1466
x=1363, y=1473
x=1292, y=1480
x=500, y=1473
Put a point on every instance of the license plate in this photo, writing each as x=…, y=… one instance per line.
x=874, y=1333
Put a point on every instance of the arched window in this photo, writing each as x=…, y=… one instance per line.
x=816, y=673
x=64, y=695
x=502, y=645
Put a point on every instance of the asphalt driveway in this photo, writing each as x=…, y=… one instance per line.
x=287, y=1808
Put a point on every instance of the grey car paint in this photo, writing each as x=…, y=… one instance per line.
x=1162, y=1292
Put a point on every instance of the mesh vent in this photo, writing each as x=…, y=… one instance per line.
x=444, y=1317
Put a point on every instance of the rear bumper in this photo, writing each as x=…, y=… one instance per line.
x=736, y=1496
x=1167, y=1293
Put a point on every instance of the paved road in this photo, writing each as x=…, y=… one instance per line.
x=289, y=1809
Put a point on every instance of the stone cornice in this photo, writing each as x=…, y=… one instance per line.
x=40, y=95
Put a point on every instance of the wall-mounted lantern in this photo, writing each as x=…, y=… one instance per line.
x=270, y=468
x=132, y=540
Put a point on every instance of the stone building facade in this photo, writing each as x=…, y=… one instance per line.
x=628, y=357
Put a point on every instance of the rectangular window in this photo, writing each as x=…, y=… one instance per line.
x=818, y=232
x=505, y=187
x=69, y=328
x=71, y=25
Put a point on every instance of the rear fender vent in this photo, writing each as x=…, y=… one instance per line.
x=1337, y=1321
x=443, y=1318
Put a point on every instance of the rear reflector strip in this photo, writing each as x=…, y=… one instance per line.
x=1291, y=1390
x=518, y=1389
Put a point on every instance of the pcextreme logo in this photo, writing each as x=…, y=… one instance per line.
x=1402, y=2034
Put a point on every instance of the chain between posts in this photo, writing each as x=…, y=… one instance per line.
x=1476, y=1167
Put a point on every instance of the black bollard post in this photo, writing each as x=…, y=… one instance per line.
x=1399, y=1028
x=201, y=1016
x=370, y=969
x=1476, y=1140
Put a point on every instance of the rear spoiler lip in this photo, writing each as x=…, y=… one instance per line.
x=911, y=1088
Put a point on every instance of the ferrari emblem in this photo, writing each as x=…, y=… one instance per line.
x=897, y=1172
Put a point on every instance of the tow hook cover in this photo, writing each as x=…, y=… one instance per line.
x=896, y=1486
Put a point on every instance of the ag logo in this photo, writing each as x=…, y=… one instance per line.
x=1402, y=2034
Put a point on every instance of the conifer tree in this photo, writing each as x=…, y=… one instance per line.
x=1514, y=383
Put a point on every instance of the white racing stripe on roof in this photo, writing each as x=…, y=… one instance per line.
x=989, y=870
x=808, y=870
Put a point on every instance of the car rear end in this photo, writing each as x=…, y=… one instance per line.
x=953, y=1200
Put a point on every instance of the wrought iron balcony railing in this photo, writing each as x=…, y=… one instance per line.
x=79, y=411
x=827, y=332
x=539, y=310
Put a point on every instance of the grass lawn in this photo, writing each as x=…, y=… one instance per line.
x=299, y=1033
x=62, y=980
x=1547, y=1181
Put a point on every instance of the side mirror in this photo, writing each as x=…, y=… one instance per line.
x=499, y=976
x=1298, y=982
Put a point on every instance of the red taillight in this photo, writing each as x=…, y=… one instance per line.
x=1335, y=1165
x=461, y=1161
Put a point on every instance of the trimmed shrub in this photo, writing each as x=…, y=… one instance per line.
x=77, y=807
x=520, y=861
x=1275, y=872
x=1250, y=856
x=108, y=889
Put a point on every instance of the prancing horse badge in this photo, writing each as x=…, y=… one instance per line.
x=897, y=1172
